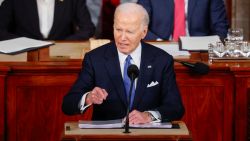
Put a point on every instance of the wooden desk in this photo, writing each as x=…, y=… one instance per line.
x=34, y=91
x=76, y=134
x=242, y=103
x=216, y=104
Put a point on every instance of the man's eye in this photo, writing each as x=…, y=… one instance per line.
x=118, y=30
x=130, y=32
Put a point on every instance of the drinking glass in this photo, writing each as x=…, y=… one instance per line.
x=235, y=34
x=230, y=47
x=219, y=49
x=245, y=48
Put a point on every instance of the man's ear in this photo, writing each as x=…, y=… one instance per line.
x=144, y=32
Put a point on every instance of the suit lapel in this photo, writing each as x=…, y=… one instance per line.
x=144, y=75
x=113, y=66
x=32, y=12
x=58, y=13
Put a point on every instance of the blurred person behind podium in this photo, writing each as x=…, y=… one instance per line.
x=170, y=19
x=101, y=82
x=102, y=15
x=45, y=20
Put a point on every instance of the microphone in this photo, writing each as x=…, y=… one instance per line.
x=133, y=73
x=197, y=67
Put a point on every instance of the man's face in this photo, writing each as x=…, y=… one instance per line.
x=128, y=31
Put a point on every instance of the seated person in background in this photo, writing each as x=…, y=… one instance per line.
x=170, y=19
x=45, y=19
x=102, y=14
x=103, y=81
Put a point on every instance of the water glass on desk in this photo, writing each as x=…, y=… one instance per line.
x=219, y=49
x=235, y=35
x=232, y=49
x=245, y=48
x=210, y=53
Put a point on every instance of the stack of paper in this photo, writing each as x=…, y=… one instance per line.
x=101, y=124
x=171, y=48
x=22, y=44
x=197, y=43
x=119, y=124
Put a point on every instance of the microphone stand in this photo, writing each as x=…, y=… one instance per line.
x=187, y=64
x=126, y=126
x=198, y=67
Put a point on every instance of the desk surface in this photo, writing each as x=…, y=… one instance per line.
x=75, y=133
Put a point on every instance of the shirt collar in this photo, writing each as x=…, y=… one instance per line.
x=136, y=56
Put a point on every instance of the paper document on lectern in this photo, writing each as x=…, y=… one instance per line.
x=197, y=43
x=22, y=44
x=119, y=124
x=101, y=124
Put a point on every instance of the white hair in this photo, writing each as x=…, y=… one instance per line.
x=132, y=8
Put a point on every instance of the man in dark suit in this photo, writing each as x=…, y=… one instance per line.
x=102, y=79
x=203, y=18
x=45, y=20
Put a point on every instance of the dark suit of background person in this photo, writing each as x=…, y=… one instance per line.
x=20, y=18
x=204, y=17
x=101, y=68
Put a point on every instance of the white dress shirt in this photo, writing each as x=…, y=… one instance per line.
x=136, y=59
x=1, y=2
x=46, y=16
x=186, y=14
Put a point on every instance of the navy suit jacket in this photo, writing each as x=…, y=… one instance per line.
x=101, y=68
x=204, y=17
x=20, y=18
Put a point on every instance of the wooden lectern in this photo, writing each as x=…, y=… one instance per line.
x=73, y=133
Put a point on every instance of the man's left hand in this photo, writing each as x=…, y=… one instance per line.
x=137, y=117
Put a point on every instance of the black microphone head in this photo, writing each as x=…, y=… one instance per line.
x=133, y=72
x=201, y=68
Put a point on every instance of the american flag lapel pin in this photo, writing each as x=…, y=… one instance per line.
x=149, y=66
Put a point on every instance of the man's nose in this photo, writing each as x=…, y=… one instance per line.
x=123, y=36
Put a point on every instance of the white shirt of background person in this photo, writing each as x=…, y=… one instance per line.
x=46, y=16
x=1, y=2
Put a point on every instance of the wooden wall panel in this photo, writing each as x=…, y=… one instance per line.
x=205, y=112
x=248, y=114
x=3, y=73
x=2, y=85
x=241, y=17
x=34, y=107
x=208, y=102
x=34, y=95
x=241, y=106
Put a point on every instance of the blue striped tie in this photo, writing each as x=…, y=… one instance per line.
x=127, y=81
